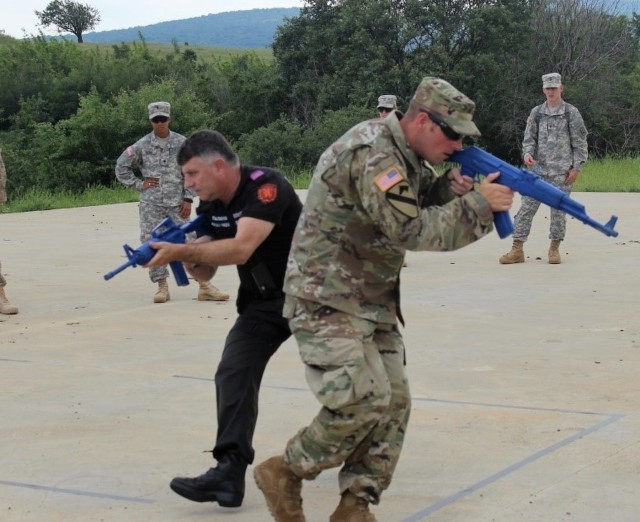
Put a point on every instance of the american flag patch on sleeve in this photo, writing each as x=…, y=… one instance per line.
x=129, y=151
x=388, y=179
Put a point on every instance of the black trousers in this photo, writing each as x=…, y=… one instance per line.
x=256, y=335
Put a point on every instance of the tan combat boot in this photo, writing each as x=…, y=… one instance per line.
x=5, y=306
x=208, y=292
x=516, y=255
x=162, y=295
x=554, y=253
x=281, y=489
x=352, y=509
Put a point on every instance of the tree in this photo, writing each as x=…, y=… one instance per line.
x=495, y=51
x=69, y=16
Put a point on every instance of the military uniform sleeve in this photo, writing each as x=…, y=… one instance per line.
x=126, y=165
x=434, y=189
x=578, y=133
x=393, y=205
x=530, y=140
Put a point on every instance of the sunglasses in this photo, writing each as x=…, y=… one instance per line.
x=159, y=119
x=447, y=131
x=384, y=109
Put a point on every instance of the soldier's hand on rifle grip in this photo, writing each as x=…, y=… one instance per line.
x=500, y=197
x=165, y=253
x=460, y=184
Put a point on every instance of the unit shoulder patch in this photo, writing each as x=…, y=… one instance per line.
x=402, y=197
x=268, y=193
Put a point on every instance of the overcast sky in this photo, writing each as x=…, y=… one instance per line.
x=17, y=16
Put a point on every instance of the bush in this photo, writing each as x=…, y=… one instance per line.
x=285, y=144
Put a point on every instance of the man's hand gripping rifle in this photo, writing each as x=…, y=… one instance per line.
x=474, y=161
x=167, y=231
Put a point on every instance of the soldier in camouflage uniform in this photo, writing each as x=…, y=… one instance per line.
x=555, y=147
x=387, y=103
x=162, y=192
x=5, y=306
x=374, y=195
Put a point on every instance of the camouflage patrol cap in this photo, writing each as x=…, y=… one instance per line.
x=387, y=101
x=159, y=108
x=442, y=98
x=551, y=80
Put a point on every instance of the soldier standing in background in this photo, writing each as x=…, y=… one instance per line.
x=5, y=306
x=387, y=103
x=162, y=192
x=555, y=147
x=373, y=196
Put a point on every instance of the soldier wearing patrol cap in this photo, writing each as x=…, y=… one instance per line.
x=555, y=148
x=387, y=103
x=5, y=306
x=161, y=187
x=373, y=196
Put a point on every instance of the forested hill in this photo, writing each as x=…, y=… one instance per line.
x=251, y=29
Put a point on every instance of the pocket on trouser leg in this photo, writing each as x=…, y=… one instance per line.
x=327, y=337
x=337, y=387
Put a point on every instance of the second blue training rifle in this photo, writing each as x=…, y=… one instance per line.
x=167, y=231
x=475, y=161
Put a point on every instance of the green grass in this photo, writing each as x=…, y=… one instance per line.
x=607, y=175
x=204, y=54
x=610, y=175
x=299, y=180
x=36, y=199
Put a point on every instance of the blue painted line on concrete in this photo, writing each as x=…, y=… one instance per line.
x=512, y=406
x=610, y=418
x=77, y=492
x=421, y=515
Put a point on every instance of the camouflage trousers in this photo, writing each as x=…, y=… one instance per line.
x=150, y=216
x=524, y=218
x=3, y=281
x=356, y=369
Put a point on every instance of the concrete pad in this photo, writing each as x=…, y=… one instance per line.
x=524, y=380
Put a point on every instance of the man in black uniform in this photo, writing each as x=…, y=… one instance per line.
x=251, y=214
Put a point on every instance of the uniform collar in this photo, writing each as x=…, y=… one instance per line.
x=392, y=121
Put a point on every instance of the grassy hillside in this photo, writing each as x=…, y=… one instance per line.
x=204, y=53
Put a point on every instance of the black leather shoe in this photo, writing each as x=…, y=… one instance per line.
x=223, y=484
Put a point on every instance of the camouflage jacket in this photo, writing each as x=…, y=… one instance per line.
x=371, y=198
x=154, y=158
x=556, y=140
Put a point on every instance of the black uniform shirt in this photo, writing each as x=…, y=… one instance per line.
x=263, y=193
